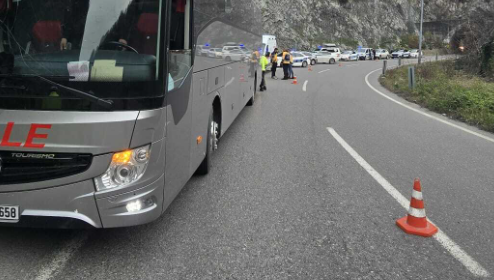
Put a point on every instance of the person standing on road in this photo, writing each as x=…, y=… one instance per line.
x=286, y=63
x=254, y=61
x=290, y=67
x=264, y=64
x=274, y=63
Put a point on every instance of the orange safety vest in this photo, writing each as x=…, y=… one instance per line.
x=285, y=61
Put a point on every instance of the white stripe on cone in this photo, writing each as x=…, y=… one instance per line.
x=418, y=213
x=417, y=195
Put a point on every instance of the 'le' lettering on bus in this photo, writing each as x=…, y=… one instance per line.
x=31, y=136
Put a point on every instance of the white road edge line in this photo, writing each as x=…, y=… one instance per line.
x=448, y=244
x=304, y=88
x=423, y=113
x=58, y=262
x=324, y=71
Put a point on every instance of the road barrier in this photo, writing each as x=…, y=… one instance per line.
x=416, y=222
x=385, y=66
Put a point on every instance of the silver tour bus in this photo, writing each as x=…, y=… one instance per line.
x=107, y=109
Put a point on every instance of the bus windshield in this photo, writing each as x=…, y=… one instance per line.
x=106, y=48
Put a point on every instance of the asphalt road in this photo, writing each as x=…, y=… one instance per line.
x=285, y=200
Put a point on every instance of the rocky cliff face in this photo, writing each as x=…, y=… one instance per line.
x=307, y=23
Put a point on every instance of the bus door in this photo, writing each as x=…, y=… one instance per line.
x=178, y=101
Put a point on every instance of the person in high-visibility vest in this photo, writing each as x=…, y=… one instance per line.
x=286, y=60
x=274, y=63
x=264, y=63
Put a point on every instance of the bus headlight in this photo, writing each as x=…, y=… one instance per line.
x=126, y=167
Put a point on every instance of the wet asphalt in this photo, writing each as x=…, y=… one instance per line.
x=284, y=200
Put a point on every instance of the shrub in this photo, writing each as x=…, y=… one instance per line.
x=445, y=89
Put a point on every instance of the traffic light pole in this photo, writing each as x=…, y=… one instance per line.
x=421, y=29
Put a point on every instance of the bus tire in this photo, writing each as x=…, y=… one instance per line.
x=211, y=145
x=253, y=98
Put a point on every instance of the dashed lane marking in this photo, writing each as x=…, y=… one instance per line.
x=304, y=88
x=448, y=244
x=61, y=258
x=324, y=71
x=423, y=113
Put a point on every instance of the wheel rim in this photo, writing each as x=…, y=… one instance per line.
x=214, y=135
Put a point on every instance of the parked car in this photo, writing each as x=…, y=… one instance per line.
x=406, y=54
x=228, y=49
x=215, y=53
x=327, y=57
x=300, y=60
x=336, y=51
x=202, y=50
x=365, y=54
x=382, y=54
x=415, y=53
x=349, y=56
x=312, y=56
x=397, y=54
x=235, y=55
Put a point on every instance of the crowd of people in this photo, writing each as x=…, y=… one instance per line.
x=273, y=59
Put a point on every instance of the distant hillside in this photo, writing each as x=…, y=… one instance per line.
x=307, y=23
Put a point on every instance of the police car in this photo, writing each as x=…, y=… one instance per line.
x=299, y=59
x=349, y=56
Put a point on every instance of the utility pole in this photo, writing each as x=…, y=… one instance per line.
x=421, y=29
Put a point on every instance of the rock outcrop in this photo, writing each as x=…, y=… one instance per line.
x=307, y=23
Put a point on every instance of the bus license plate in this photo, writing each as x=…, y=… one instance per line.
x=9, y=213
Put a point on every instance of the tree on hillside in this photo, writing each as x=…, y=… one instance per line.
x=476, y=36
x=410, y=41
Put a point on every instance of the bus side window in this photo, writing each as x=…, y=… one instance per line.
x=180, y=55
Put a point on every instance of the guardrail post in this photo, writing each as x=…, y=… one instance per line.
x=385, y=66
x=399, y=61
x=411, y=77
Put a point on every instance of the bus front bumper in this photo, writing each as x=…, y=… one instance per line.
x=77, y=204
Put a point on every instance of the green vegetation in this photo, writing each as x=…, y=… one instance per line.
x=348, y=42
x=410, y=41
x=443, y=88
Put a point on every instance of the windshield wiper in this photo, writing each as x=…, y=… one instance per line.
x=47, y=79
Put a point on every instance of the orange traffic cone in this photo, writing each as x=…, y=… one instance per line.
x=340, y=64
x=242, y=78
x=294, y=80
x=416, y=222
x=310, y=67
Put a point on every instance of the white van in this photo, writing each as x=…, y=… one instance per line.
x=269, y=43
